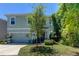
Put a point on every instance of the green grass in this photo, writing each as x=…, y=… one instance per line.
x=25, y=51
x=66, y=50
x=60, y=50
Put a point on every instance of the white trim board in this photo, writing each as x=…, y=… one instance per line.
x=19, y=32
x=18, y=28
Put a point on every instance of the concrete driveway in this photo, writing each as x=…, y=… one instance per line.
x=10, y=50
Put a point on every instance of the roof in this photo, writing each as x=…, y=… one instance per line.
x=19, y=14
x=2, y=20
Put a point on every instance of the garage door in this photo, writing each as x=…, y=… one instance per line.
x=19, y=38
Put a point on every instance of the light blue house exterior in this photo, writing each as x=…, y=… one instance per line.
x=18, y=27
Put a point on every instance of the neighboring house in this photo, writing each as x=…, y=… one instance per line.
x=18, y=28
x=3, y=29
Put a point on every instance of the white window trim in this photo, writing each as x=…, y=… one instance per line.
x=10, y=20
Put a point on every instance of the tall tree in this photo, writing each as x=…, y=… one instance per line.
x=56, y=28
x=69, y=23
x=37, y=20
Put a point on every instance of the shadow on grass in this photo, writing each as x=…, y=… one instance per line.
x=76, y=54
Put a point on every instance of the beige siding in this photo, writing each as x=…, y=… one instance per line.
x=20, y=22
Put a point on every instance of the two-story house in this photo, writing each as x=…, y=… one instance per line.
x=18, y=28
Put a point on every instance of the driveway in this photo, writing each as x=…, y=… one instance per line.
x=10, y=50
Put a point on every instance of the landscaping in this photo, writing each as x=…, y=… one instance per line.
x=63, y=38
x=48, y=35
x=33, y=50
x=53, y=50
x=49, y=42
x=3, y=41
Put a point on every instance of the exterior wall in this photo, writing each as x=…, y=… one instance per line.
x=3, y=29
x=21, y=28
x=21, y=22
x=18, y=30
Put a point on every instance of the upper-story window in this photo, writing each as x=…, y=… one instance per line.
x=12, y=20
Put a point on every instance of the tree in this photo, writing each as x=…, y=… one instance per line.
x=69, y=21
x=56, y=28
x=37, y=21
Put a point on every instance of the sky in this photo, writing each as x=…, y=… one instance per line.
x=15, y=8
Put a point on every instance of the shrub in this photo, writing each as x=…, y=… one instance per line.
x=3, y=42
x=49, y=42
x=41, y=49
x=55, y=36
x=37, y=50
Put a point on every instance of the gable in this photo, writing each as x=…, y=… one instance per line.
x=21, y=21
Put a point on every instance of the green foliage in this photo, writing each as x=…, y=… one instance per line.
x=49, y=42
x=34, y=50
x=56, y=35
x=55, y=23
x=41, y=49
x=68, y=15
x=3, y=41
x=37, y=21
x=57, y=50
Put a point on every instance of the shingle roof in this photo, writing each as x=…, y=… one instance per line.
x=18, y=14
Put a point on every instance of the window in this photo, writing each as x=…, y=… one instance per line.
x=12, y=21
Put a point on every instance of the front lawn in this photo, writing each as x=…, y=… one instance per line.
x=57, y=50
x=27, y=51
x=66, y=50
